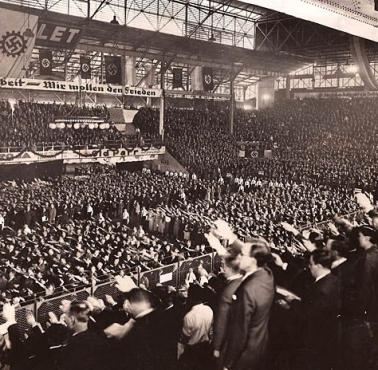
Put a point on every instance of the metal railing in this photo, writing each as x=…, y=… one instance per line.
x=173, y=275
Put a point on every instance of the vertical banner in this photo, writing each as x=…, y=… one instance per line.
x=130, y=70
x=177, y=78
x=207, y=76
x=45, y=62
x=196, y=79
x=113, y=70
x=268, y=153
x=17, y=38
x=265, y=93
x=85, y=68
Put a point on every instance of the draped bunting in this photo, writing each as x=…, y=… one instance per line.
x=93, y=153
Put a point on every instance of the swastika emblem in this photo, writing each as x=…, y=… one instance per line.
x=112, y=69
x=208, y=79
x=45, y=63
x=13, y=44
x=85, y=67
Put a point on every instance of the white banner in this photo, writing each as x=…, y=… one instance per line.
x=84, y=156
x=16, y=45
x=65, y=86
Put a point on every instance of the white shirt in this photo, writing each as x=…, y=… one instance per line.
x=249, y=273
x=197, y=324
x=144, y=313
x=125, y=214
x=190, y=277
x=203, y=280
x=338, y=262
x=234, y=277
x=322, y=276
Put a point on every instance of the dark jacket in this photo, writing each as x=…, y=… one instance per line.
x=247, y=332
x=347, y=273
x=143, y=344
x=368, y=283
x=321, y=307
x=222, y=313
x=85, y=351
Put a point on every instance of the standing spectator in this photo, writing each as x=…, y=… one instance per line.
x=247, y=334
x=321, y=306
x=196, y=332
x=142, y=344
x=51, y=213
x=85, y=348
x=2, y=222
x=366, y=238
x=221, y=322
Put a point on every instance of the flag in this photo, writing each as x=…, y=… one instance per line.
x=113, y=71
x=207, y=78
x=16, y=45
x=45, y=62
x=177, y=78
x=85, y=67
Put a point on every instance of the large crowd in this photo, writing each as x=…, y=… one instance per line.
x=65, y=229
x=243, y=318
x=26, y=125
x=290, y=295
x=328, y=141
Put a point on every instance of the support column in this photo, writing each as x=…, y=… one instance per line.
x=360, y=57
x=245, y=93
x=287, y=87
x=162, y=100
x=232, y=105
x=102, y=69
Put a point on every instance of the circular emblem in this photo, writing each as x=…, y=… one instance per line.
x=45, y=63
x=254, y=154
x=112, y=69
x=208, y=79
x=85, y=67
x=13, y=44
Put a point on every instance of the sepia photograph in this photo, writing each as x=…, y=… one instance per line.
x=188, y=184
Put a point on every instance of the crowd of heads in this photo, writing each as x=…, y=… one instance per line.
x=124, y=330
x=318, y=141
x=25, y=125
x=67, y=231
x=77, y=231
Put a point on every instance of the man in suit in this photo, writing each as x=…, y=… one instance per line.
x=365, y=238
x=354, y=347
x=247, y=332
x=233, y=276
x=85, y=348
x=321, y=306
x=142, y=343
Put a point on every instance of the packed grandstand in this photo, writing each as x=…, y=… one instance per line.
x=188, y=185
x=61, y=235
